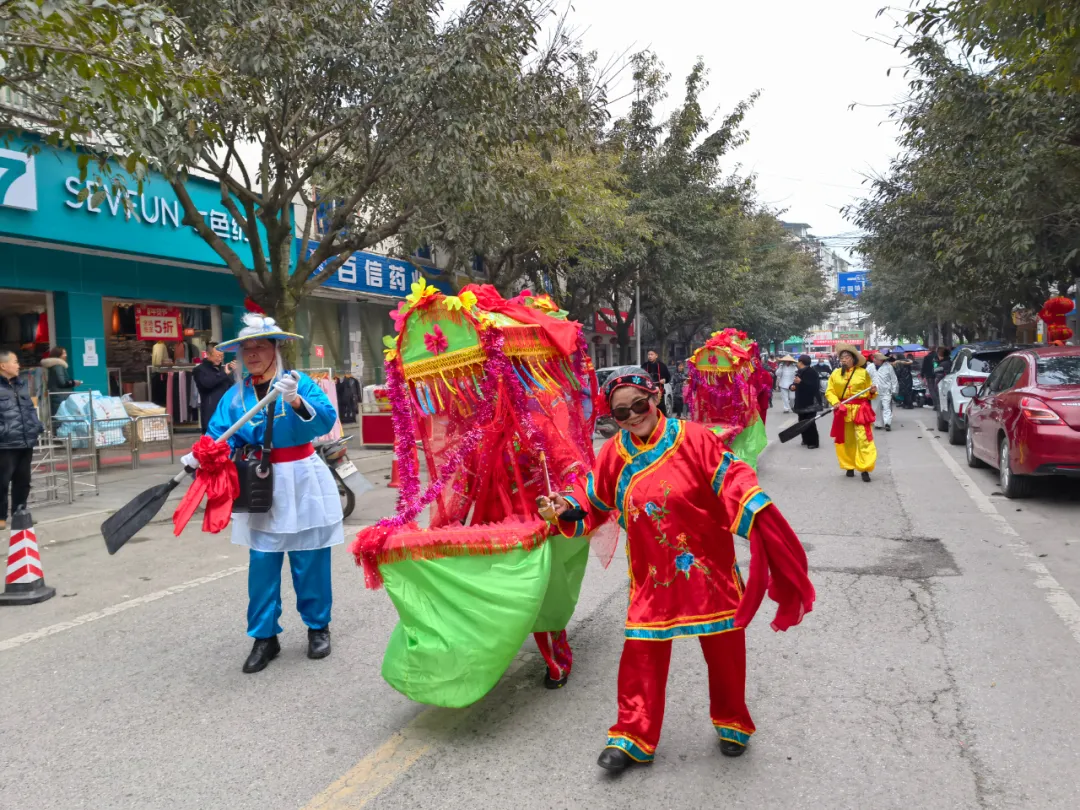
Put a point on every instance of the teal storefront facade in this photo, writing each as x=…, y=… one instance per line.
x=80, y=257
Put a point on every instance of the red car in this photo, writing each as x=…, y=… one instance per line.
x=1025, y=419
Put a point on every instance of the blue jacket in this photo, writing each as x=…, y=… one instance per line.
x=290, y=427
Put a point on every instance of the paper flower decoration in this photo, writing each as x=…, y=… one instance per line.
x=421, y=291
x=391, y=347
x=435, y=341
x=398, y=316
x=466, y=301
x=543, y=303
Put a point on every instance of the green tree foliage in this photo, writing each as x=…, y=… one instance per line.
x=75, y=71
x=706, y=249
x=980, y=211
x=370, y=112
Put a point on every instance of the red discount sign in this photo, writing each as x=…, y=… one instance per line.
x=157, y=323
x=319, y=352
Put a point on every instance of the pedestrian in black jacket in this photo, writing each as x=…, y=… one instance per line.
x=212, y=379
x=19, y=430
x=807, y=388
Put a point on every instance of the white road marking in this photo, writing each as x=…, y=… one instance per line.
x=112, y=610
x=1059, y=599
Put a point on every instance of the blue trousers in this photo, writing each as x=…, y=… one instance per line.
x=311, y=581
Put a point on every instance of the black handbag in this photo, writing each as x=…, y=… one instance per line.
x=256, y=474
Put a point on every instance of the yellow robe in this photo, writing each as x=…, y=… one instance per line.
x=857, y=452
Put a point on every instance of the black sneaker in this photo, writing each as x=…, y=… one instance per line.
x=850, y=473
x=866, y=477
x=318, y=642
x=263, y=652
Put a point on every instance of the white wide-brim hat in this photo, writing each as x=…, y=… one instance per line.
x=256, y=326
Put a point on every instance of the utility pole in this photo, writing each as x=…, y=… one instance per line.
x=637, y=317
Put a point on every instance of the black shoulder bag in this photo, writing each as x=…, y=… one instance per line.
x=256, y=474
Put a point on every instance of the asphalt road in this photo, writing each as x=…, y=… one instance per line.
x=939, y=669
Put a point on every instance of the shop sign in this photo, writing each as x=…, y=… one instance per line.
x=18, y=183
x=319, y=352
x=42, y=202
x=373, y=274
x=157, y=323
x=600, y=325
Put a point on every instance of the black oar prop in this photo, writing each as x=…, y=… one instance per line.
x=790, y=432
x=129, y=520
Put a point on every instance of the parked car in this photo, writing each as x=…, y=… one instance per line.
x=971, y=365
x=1025, y=418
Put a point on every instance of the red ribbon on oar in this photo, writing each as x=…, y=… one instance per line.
x=216, y=479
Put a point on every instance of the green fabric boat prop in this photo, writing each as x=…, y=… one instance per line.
x=492, y=401
x=728, y=390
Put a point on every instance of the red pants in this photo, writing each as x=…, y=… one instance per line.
x=556, y=651
x=643, y=673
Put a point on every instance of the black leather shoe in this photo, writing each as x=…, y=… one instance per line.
x=615, y=760
x=850, y=473
x=888, y=428
x=551, y=683
x=263, y=652
x=731, y=749
x=318, y=642
x=866, y=477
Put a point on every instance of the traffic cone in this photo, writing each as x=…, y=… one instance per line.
x=395, y=476
x=25, y=581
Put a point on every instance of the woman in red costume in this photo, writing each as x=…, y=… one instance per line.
x=681, y=496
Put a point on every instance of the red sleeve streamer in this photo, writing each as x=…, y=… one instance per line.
x=216, y=479
x=777, y=565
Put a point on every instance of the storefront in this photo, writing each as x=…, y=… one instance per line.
x=122, y=290
x=135, y=296
x=345, y=322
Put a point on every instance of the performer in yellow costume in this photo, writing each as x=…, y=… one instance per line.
x=853, y=423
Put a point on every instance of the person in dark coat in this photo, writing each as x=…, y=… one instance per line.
x=660, y=374
x=807, y=388
x=19, y=430
x=213, y=379
x=60, y=381
x=902, y=366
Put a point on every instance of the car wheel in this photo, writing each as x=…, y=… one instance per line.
x=1012, y=485
x=942, y=420
x=956, y=429
x=969, y=451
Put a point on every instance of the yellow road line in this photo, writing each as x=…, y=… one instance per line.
x=380, y=769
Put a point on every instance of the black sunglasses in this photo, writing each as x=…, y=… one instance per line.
x=622, y=413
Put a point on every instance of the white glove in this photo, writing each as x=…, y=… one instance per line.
x=190, y=461
x=287, y=386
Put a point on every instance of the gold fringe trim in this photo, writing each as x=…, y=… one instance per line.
x=450, y=361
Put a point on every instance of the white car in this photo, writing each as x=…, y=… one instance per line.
x=971, y=366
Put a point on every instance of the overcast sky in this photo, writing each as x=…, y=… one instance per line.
x=811, y=60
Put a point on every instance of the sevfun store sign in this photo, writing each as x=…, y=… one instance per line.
x=39, y=199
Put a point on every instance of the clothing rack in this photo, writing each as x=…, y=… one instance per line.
x=320, y=370
x=152, y=370
x=179, y=367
